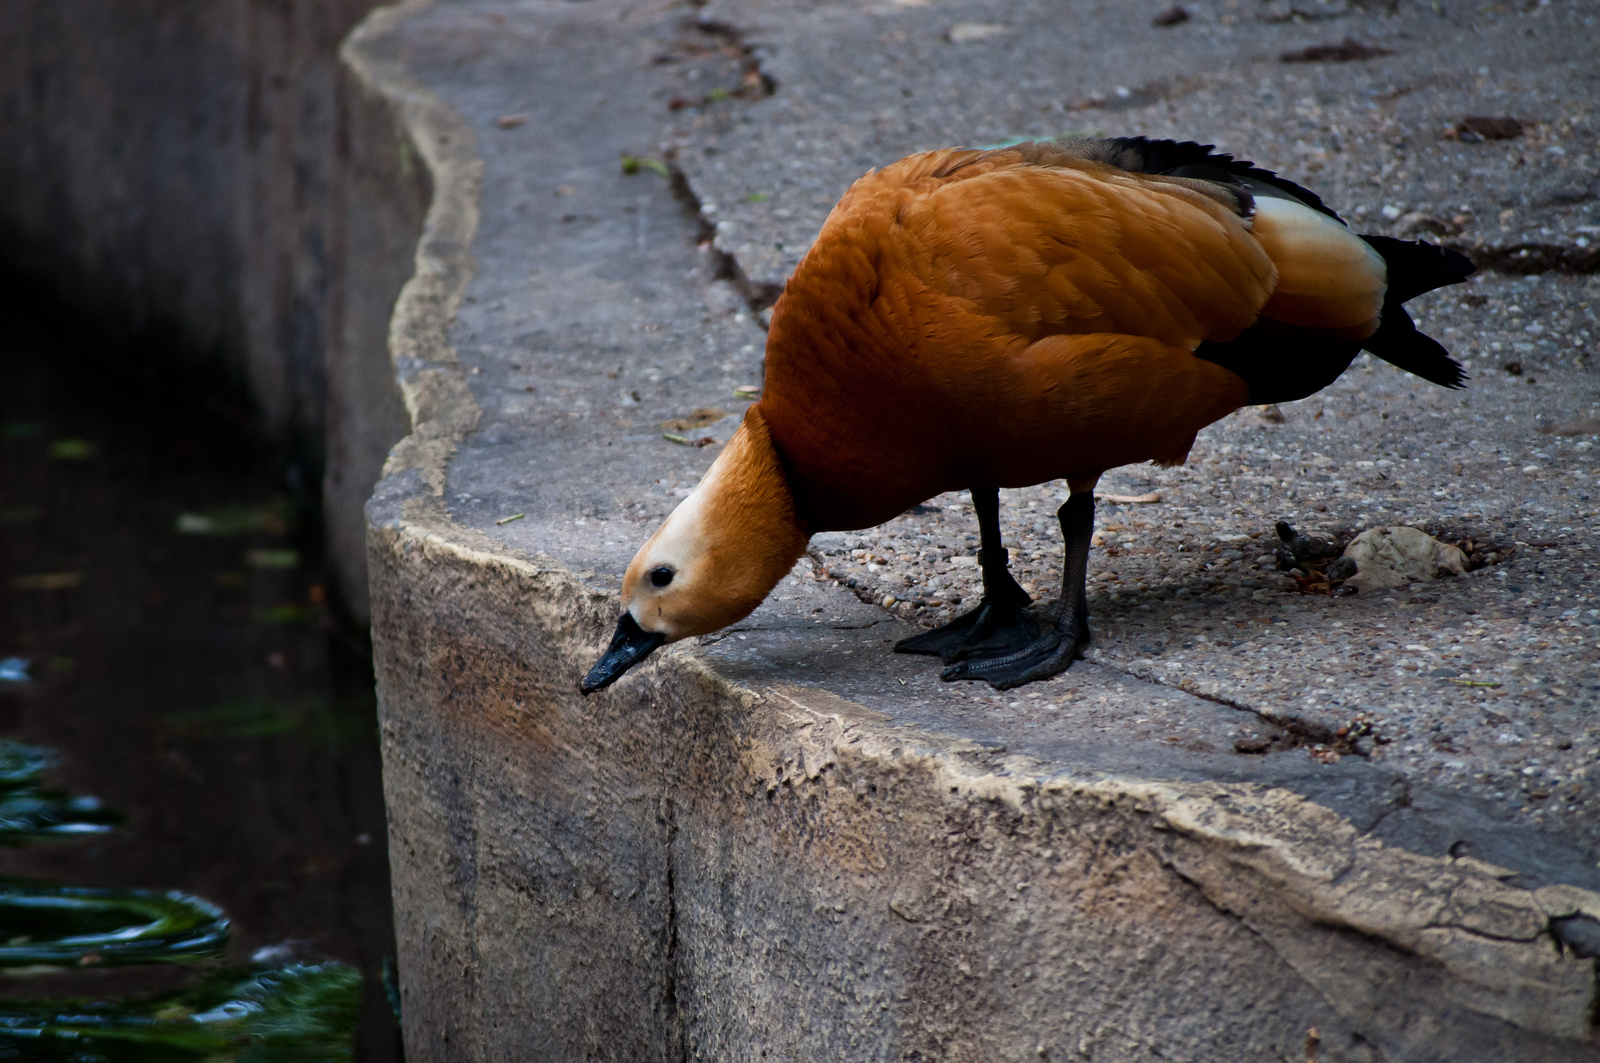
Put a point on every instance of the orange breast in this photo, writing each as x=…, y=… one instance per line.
x=1001, y=325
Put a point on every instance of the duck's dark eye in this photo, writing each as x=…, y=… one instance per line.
x=660, y=577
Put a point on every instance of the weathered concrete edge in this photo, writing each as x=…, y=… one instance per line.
x=1278, y=862
x=437, y=400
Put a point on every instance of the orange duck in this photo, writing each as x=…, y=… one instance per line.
x=986, y=319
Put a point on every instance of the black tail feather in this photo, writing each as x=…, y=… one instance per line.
x=1415, y=268
x=1398, y=342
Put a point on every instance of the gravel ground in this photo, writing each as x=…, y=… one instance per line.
x=1490, y=680
x=1380, y=139
x=1487, y=682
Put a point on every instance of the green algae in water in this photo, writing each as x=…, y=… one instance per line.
x=255, y=718
x=284, y=559
x=258, y=1014
x=316, y=719
x=29, y=813
x=43, y=924
x=73, y=449
x=286, y=614
x=20, y=764
x=293, y=1014
x=275, y=519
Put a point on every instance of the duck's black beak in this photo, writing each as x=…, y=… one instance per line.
x=630, y=645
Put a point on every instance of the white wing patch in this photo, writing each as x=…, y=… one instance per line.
x=1328, y=277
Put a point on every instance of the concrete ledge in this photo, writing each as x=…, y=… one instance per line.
x=785, y=869
x=784, y=844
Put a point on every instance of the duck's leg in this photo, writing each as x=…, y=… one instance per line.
x=1054, y=651
x=999, y=624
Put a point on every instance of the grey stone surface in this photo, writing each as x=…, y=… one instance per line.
x=1511, y=460
x=786, y=843
x=183, y=174
x=1374, y=137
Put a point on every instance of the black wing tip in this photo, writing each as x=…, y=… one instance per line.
x=1160, y=156
x=1399, y=343
x=1446, y=372
x=1452, y=375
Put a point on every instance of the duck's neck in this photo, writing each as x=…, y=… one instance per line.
x=750, y=503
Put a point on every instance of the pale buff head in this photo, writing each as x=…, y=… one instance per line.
x=714, y=559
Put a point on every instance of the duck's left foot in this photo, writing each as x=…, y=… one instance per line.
x=1052, y=654
x=997, y=626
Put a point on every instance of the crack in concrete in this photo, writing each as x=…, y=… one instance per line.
x=1401, y=800
x=732, y=37
x=1302, y=732
x=1342, y=928
x=725, y=267
x=1485, y=935
x=757, y=296
x=1267, y=942
x=677, y=1032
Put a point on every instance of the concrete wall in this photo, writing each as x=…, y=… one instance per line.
x=186, y=175
x=383, y=196
x=687, y=869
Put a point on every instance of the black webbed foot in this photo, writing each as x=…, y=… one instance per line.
x=1000, y=624
x=1049, y=655
x=1053, y=651
x=989, y=629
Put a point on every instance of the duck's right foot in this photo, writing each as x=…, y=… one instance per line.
x=990, y=630
x=1051, y=655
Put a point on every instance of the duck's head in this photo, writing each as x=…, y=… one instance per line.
x=713, y=560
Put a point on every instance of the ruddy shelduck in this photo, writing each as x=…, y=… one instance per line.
x=975, y=320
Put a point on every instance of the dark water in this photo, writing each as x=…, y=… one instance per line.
x=160, y=575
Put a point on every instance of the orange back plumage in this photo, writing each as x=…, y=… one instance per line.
x=1002, y=318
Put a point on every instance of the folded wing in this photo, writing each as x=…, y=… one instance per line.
x=1059, y=245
